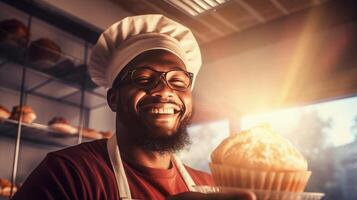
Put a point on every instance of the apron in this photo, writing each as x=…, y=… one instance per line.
x=120, y=176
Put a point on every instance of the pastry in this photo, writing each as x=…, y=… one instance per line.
x=4, y=183
x=7, y=190
x=5, y=187
x=259, y=158
x=60, y=124
x=4, y=113
x=28, y=115
x=76, y=76
x=62, y=68
x=106, y=134
x=90, y=133
x=44, y=53
x=14, y=33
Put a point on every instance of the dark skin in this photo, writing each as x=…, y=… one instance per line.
x=131, y=100
x=131, y=104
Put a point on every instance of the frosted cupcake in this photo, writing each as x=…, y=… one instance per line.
x=259, y=159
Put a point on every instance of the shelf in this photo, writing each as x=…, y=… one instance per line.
x=64, y=82
x=38, y=133
x=59, y=85
x=75, y=26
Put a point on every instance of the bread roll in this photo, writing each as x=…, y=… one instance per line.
x=4, y=113
x=44, y=53
x=14, y=33
x=60, y=124
x=91, y=133
x=5, y=187
x=106, y=134
x=28, y=115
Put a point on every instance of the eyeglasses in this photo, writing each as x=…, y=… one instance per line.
x=147, y=78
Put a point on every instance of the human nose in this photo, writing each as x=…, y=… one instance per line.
x=162, y=89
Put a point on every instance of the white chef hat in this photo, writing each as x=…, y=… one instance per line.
x=128, y=38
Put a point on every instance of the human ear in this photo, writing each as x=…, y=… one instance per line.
x=112, y=99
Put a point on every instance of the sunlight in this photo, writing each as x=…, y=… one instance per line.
x=336, y=118
x=277, y=120
x=301, y=51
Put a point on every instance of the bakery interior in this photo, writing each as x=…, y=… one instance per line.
x=289, y=63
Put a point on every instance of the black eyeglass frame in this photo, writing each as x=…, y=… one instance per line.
x=161, y=75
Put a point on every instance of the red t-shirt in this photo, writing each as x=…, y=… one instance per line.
x=84, y=172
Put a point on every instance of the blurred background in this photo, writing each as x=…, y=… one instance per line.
x=289, y=63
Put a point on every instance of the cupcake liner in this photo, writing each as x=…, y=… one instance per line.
x=292, y=181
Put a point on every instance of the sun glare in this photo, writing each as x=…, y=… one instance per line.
x=337, y=119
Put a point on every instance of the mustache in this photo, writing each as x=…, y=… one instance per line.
x=155, y=100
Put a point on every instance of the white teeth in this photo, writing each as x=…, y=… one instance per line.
x=161, y=111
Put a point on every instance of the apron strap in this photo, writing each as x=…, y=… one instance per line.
x=185, y=175
x=120, y=176
x=119, y=172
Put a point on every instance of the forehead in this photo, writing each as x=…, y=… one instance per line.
x=160, y=60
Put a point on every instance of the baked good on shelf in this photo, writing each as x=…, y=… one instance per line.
x=4, y=183
x=76, y=76
x=62, y=68
x=28, y=115
x=7, y=190
x=91, y=133
x=4, y=113
x=259, y=158
x=106, y=134
x=14, y=33
x=5, y=187
x=44, y=53
x=62, y=125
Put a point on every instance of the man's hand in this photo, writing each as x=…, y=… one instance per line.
x=240, y=195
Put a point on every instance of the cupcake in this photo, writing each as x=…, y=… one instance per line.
x=259, y=159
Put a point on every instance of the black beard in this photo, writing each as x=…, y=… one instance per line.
x=140, y=135
x=165, y=143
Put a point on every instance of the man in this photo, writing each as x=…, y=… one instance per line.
x=149, y=62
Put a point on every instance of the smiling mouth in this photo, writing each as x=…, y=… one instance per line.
x=160, y=109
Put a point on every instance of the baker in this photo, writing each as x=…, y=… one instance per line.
x=149, y=64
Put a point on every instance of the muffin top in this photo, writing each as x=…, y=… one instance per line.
x=259, y=148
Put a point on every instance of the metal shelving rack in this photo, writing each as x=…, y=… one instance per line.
x=74, y=90
x=47, y=86
x=37, y=133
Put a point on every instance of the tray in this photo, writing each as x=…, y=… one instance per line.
x=263, y=194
